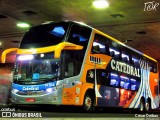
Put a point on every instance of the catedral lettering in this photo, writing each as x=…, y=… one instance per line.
x=125, y=68
x=30, y=88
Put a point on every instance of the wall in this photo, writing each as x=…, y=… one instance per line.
x=6, y=75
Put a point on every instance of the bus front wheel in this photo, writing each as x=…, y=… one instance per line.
x=88, y=103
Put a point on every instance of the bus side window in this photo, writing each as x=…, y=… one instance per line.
x=79, y=35
x=114, y=80
x=125, y=57
x=153, y=66
x=99, y=44
x=125, y=83
x=135, y=60
x=96, y=49
x=102, y=77
x=134, y=84
x=69, y=69
x=114, y=52
x=76, y=40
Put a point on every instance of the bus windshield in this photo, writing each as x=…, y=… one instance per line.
x=40, y=69
x=31, y=68
x=44, y=35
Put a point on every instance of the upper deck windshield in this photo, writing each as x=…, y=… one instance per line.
x=44, y=35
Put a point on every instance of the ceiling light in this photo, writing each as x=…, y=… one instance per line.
x=100, y=3
x=23, y=25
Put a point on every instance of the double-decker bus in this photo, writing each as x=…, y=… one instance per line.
x=69, y=63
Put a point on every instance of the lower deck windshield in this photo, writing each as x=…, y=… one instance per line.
x=37, y=70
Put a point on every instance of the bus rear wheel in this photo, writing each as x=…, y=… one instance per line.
x=88, y=103
x=148, y=105
x=142, y=106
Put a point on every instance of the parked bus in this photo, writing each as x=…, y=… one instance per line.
x=70, y=63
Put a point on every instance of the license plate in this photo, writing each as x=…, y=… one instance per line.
x=30, y=100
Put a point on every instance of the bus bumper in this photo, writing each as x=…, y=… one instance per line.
x=48, y=98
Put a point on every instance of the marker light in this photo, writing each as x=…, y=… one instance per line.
x=49, y=90
x=42, y=55
x=25, y=57
x=100, y=3
x=23, y=25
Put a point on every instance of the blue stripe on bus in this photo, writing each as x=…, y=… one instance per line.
x=33, y=87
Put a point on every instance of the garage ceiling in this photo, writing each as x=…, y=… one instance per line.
x=124, y=20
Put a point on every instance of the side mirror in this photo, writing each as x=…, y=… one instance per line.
x=5, y=52
x=66, y=46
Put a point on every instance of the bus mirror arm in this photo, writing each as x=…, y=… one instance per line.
x=5, y=52
x=66, y=46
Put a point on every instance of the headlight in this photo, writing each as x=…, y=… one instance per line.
x=25, y=57
x=49, y=90
x=15, y=90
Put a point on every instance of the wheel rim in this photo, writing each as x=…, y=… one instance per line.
x=88, y=103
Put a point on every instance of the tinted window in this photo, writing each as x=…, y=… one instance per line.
x=135, y=60
x=114, y=80
x=44, y=35
x=153, y=66
x=125, y=82
x=73, y=62
x=79, y=35
x=134, y=84
x=114, y=50
x=99, y=44
x=125, y=56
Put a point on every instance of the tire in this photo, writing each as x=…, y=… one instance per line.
x=142, y=106
x=88, y=103
x=148, y=106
